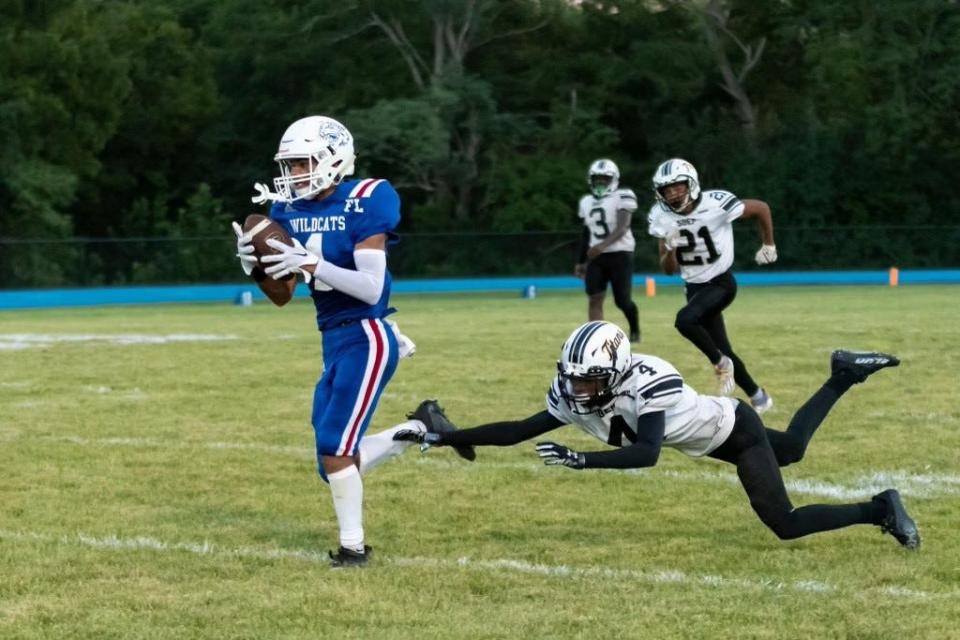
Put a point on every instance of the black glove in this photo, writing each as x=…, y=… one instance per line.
x=553, y=453
x=424, y=438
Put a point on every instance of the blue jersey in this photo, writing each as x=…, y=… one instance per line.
x=331, y=227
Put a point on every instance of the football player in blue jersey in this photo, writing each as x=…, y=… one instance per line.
x=340, y=231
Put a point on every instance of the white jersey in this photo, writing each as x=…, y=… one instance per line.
x=600, y=216
x=707, y=249
x=695, y=424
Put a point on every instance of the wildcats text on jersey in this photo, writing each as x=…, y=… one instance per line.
x=318, y=225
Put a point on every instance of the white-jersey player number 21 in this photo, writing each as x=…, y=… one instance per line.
x=686, y=252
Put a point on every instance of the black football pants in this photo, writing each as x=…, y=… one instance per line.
x=759, y=453
x=615, y=267
x=701, y=322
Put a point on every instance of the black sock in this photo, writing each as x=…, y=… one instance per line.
x=806, y=420
x=841, y=381
x=633, y=317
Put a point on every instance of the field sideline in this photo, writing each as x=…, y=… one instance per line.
x=158, y=480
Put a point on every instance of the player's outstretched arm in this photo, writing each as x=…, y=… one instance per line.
x=760, y=210
x=497, y=434
x=643, y=453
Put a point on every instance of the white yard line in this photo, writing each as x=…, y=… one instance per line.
x=145, y=543
x=10, y=341
x=926, y=485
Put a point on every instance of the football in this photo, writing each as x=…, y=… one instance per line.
x=280, y=292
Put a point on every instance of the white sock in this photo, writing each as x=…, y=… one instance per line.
x=347, y=489
x=380, y=447
x=758, y=395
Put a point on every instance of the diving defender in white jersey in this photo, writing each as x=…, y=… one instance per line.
x=340, y=230
x=640, y=403
x=695, y=230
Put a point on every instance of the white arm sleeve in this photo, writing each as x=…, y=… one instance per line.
x=366, y=283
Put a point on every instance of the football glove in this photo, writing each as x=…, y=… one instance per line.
x=767, y=254
x=244, y=249
x=291, y=259
x=552, y=453
x=405, y=346
x=673, y=240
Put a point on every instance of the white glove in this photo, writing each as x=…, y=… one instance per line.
x=673, y=240
x=264, y=194
x=405, y=345
x=244, y=249
x=767, y=254
x=291, y=259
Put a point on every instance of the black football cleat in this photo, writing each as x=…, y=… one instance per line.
x=635, y=336
x=435, y=420
x=860, y=364
x=349, y=558
x=897, y=522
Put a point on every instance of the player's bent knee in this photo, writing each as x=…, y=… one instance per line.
x=789, y=450
x=686, y=319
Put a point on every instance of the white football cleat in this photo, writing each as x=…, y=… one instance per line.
x=724, y=370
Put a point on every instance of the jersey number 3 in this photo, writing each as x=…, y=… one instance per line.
x=683, y=251
x=601, y=220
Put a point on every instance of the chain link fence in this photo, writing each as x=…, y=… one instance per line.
x=86, y=262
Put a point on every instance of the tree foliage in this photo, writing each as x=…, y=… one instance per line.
x=132, y=118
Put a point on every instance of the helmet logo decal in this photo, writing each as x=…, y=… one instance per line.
x=610, y=347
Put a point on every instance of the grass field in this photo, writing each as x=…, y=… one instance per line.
x=157, y=481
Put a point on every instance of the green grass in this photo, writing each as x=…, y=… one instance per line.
x=169, y=491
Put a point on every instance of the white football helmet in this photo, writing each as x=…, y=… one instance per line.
x=594, y=362
x=328, y=147
x=603, y=176
x=671, y=172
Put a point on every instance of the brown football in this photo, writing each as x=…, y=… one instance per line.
x=280, y=291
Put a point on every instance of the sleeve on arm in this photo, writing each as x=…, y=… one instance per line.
x=503, y=434
x=584, y=245
x=643, y=453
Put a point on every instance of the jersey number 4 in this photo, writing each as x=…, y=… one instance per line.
x=684, y=251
